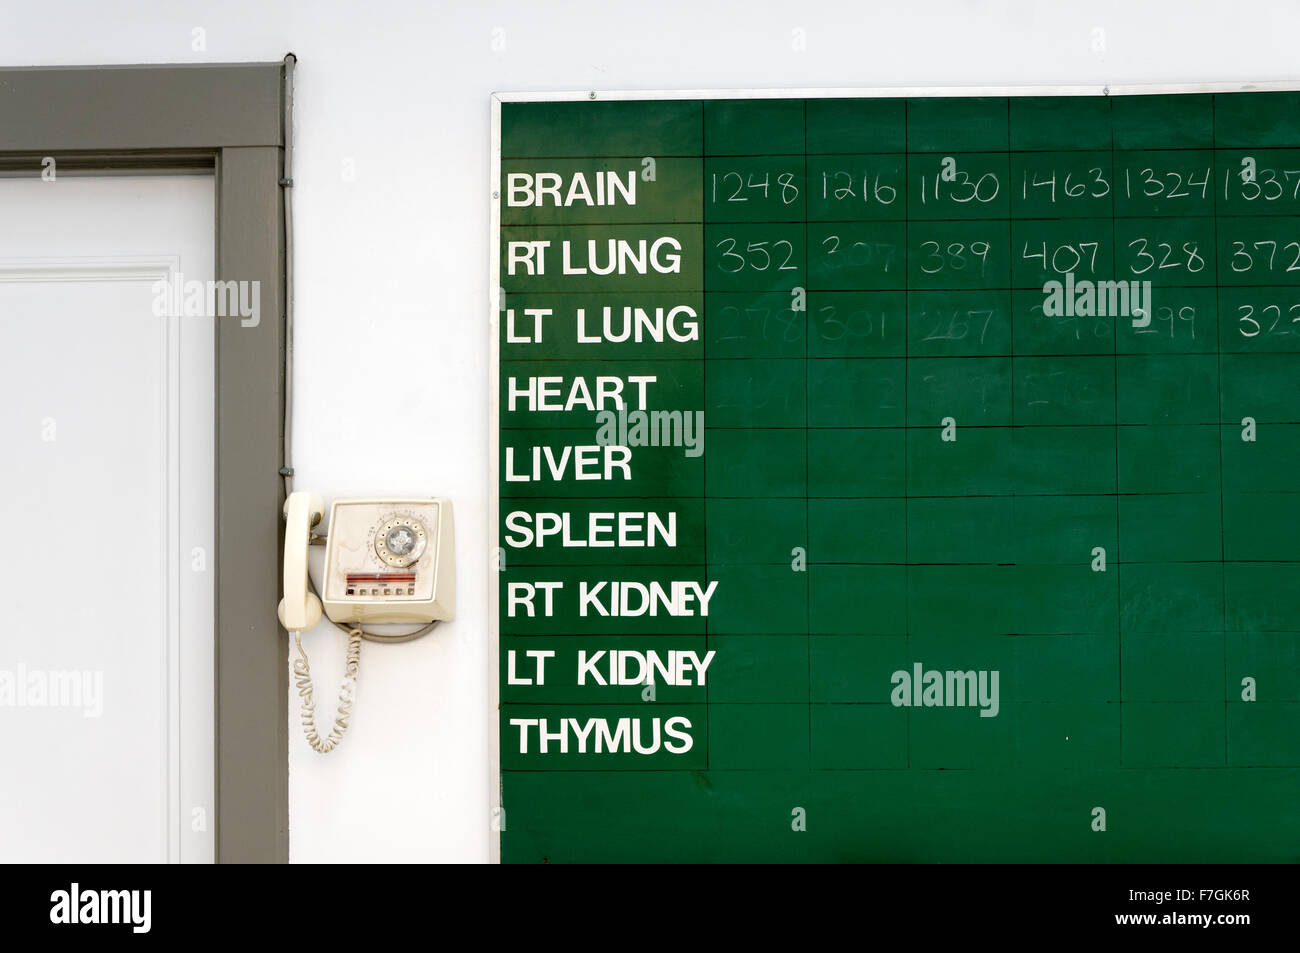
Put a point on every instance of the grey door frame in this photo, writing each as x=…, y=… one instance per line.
x=230, y=119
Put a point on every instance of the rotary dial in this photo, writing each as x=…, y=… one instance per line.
x=400, y=540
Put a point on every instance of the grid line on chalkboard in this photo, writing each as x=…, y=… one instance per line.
x=1011, y=338
x=704, y=476
x=1223, y=529
x=814, y=220
x=522, y=429
x=807, y=507
x=907, y=529
x=1119, y=550
x=990, y=289
x=923, y=152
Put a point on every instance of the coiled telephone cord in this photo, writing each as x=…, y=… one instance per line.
x=347, y=692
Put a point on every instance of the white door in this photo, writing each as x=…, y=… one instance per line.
x=106, y=521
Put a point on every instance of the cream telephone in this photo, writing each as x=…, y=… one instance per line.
x=385, y=561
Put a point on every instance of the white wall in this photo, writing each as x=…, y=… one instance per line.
x=394, y=263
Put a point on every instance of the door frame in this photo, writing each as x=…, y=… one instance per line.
x=229, y=119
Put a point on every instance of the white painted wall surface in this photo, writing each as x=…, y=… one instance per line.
x=394, y=261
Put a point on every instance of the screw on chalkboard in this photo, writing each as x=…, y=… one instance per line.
x=1247, y=429
x=496, y=195
x=592, y=94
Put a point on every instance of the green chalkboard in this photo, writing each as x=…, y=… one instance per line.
x=899, y=479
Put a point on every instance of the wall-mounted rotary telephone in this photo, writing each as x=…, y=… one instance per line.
x=385, y=561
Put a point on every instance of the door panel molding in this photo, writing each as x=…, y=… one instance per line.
x=89, y=269
x=150, y=271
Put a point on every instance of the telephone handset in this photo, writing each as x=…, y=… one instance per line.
x=385, y=561
x=300, y=608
